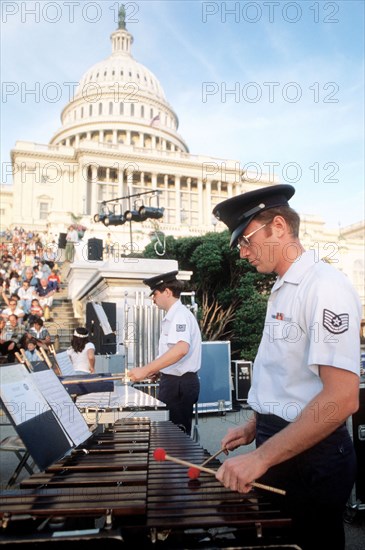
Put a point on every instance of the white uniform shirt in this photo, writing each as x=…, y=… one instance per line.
x=80, y=359
x=179, y=324
x=313, y=318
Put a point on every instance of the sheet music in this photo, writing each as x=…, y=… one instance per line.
x=65, y=364
x=21, y=396
x=62, y=405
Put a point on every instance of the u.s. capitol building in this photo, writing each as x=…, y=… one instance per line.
x=118, y=149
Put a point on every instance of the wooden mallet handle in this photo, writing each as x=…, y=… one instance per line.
x=214, y=456
x=160, y=454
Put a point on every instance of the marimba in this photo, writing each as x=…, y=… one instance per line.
x=124, y=401
x=114, y=490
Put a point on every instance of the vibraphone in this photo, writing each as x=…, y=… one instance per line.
x=113, y=490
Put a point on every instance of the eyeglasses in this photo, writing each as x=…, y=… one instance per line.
x=244, y=240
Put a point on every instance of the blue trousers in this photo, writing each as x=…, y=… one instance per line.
x=180, y=393
x=318, y=483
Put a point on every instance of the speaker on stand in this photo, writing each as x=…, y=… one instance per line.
x=95, y=250
x=62, y=240
x=61, y=247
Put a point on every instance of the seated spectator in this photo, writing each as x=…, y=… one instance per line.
x=50, y=255
x=6, y=260
x=40, y=333
x=31, y=351
x=14, y=282
x=12, y=307
x=16, y=264
x=35, y=311
x=28, y=275
x=16, y=331
x=25, y=295
x=82, y=352
x=28, y=258
x=44, y=292
x=55, y=280
x=45, y=270
x=7, y=347
x=37, y=273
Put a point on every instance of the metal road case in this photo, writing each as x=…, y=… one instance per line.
x=215, y=378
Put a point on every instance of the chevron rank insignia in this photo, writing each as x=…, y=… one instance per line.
x=335, y=323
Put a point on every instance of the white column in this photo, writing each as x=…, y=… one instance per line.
x=200, y=202
x=177, y=199
x=94, y=180
x=208, y=202
x=121, y=179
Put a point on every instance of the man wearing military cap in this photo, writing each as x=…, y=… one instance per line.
x=305, y=380
x=179, y=356
x=159, y=280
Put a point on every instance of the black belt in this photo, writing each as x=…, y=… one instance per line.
x=180, y=376
x=272, y=420
x=278, y=422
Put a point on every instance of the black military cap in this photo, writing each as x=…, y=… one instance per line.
x=157, y=280
x=238, y=212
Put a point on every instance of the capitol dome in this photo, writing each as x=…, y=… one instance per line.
x=123, y=69
x=119, y=101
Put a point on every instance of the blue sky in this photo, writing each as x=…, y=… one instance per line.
x=275, y=86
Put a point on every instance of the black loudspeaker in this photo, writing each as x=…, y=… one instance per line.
x=62, y=240
x=95, y=250
x=96, y=315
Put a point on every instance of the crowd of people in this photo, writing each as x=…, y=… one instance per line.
x=29, y=280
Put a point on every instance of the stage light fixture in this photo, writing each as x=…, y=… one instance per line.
x=151, y=212
x=114, y=219
x=133, y=216
x=100, y=217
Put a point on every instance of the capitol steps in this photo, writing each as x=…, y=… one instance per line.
x=63, y=321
